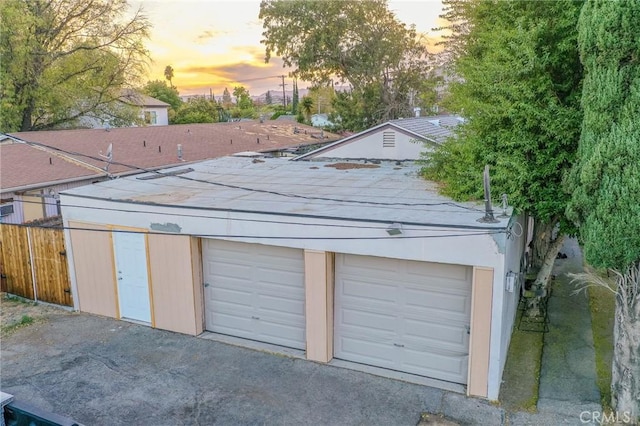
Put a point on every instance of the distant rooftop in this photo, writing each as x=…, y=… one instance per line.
x=438, y=128
x=144, y=147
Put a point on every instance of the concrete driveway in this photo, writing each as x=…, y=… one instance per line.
x=101, y=371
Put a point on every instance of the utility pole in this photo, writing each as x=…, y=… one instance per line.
x=284, y=95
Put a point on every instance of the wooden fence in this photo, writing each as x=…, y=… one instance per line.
x=34, y=264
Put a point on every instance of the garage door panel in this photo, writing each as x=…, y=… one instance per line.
x=289, y=308
x=433, y=300
x=359, y=265
x=449, y=368
x=255, y=291
x=439, y=271
x=369, y=352
x=452, y=338
x=373, y=290
x=232, y=324
x=411, y=317
x=372, y=321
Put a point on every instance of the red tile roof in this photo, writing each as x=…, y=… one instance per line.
x=147, y=147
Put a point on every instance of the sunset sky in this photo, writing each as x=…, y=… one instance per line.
x=213, y=44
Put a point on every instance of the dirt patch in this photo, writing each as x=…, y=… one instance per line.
x=428, y=419
x=349, y=166
x=16, y=312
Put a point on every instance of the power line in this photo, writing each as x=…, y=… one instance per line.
x=275, y=237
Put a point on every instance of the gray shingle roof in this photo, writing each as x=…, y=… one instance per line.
x=437, y=128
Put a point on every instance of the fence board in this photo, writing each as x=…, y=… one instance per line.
x=50, y=263
x=15, y=260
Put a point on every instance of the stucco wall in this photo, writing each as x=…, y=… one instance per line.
x=515, y=243
x=93, y=269
x=173, y=286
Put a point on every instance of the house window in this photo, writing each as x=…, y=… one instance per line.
x=6, y=209
x=388, y=139
x=150, y=117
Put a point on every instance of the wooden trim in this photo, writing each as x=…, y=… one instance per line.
x=149, y=280
x=480, y=339
x=114, y=269
x=198, y=283
x=318, y=305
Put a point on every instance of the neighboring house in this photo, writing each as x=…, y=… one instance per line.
x=36, y=166
x=320, y=120
x=352, y=263
x=402, y=139
x=153, y=112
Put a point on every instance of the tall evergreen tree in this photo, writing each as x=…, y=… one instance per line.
x=519, y=88
x=267, y=98
x=605, y=181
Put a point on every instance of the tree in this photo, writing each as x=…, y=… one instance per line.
x=168, y=74
x=358, y=42
x=243, y=99
x=63, y=60
x=197, y=110
x=227, y=103
x=267, y=98
x=158, y=89
x=605, y=184
x=519, y=88
x=307, y=107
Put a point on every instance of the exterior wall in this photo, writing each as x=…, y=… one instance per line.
x=172, y=284
x=32, y=208
x=93, y=269
x=476, y=250
x=514, y=249
x=318, y=277
x=370, y=146
x=162, y=115
x=18, y=214
x=480, y=343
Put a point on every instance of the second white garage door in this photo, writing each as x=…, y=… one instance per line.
x=403, y=315
x=255, y=292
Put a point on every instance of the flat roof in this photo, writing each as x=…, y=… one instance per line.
x=350, y=190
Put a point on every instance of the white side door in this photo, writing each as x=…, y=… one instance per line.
x=131, y=274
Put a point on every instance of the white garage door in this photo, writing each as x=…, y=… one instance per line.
x=403, y=315
x=255, y=292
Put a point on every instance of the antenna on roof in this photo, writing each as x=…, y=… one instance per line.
x=108, y=156
x=488, y=210
x=505, y=205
